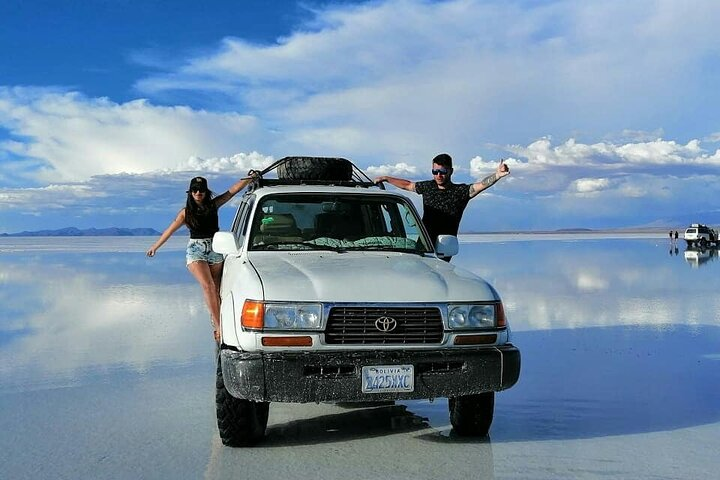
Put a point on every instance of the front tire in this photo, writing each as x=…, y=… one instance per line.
x=472, y=415
x=241, y=423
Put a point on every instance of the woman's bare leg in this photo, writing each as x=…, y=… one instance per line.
x=202, y=273
x=216, y=270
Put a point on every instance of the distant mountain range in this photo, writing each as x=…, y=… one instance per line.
x=87, y=232
x=708, y=218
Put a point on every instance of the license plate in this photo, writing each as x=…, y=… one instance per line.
x=388, y=379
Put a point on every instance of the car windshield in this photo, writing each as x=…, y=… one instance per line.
x=336, y=222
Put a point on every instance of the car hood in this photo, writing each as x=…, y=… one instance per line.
x=365, y=277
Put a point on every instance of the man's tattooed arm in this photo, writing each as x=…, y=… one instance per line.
x=486, y=182
x=489, y=180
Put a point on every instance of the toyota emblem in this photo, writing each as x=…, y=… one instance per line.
x=386, y=324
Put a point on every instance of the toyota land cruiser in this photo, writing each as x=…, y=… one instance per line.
x=333, y=292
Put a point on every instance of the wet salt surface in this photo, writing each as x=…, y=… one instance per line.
x=106, y=371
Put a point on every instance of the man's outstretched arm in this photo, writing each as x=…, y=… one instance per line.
x=397, y=182
x=487, y=182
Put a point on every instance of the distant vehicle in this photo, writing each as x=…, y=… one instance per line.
x=700, y=235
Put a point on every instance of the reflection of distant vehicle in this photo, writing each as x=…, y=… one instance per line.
x=700, y=235
x=698, y=256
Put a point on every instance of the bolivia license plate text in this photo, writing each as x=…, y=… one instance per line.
x=388, y=379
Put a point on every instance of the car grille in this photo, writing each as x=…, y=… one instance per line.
x=365, y=326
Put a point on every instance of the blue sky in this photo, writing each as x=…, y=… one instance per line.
x=606, y=111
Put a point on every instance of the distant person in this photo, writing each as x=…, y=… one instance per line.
x=671, y=236
x=443, y=201
x=200, y=215
x=676, y=236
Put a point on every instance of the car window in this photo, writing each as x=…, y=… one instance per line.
x=308, y=221
x=240, y=222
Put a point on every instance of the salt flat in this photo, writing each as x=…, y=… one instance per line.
x=107, y=371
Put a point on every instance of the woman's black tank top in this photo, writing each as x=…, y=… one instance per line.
x=207, y=224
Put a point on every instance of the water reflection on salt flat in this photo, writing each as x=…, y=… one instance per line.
x=618, y=338
x=581, y=283
x=93, y=303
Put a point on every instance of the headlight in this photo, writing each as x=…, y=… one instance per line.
x=293, y=316
x=475, y=316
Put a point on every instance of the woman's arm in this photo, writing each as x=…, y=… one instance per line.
x=220, y=200
x=174, y=226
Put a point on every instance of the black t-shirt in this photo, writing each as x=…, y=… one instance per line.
x=207, y=222
x=443, y=208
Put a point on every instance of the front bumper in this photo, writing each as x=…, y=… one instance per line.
x=300, y=377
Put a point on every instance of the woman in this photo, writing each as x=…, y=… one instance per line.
x=200, y=215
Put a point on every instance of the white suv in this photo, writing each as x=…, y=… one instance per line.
x=333, y=292
x=700, y=235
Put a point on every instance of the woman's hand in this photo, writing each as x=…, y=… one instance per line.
x=216, y=334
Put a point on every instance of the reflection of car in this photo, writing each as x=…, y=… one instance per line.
x=698, y=256
x=332, y=292
x=700, y=235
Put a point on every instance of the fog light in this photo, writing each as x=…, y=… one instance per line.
x=475, y=339
x=293, y=341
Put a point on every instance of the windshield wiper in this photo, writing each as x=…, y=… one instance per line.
x=386, y=248
x=309, y=246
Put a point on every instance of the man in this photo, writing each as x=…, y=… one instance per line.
x=443, y=201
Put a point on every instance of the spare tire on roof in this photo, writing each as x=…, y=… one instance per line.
x=315, y=168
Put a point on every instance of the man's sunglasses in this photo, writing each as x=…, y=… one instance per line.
x=440, y=171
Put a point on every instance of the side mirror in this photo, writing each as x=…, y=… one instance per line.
x=446, y=246
x=226, y=243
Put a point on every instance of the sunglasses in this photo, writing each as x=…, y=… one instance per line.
x=440, y=171
x=198, y=190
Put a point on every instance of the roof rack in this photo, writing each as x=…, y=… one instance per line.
x=266, y=182
x=301, y=170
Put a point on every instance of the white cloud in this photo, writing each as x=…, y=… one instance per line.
x=660, y=151
x=541, y=155
x=54, y=196
x=139, y=195
x=713, y=138
x=241, y=162
x=77, y=137
x=376, y=83
x=402, y=170
x=378, y=80
x=391, y=83
x=591, y=185
x=480, y=168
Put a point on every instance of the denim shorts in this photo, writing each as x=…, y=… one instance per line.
x=200, y=250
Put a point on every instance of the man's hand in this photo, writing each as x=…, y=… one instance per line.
x=502, y=169
x=380, y=180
